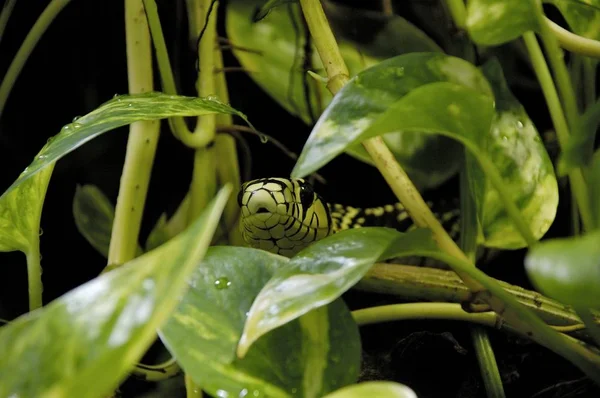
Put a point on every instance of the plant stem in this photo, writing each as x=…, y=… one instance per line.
x=141, y=145
x=404, y=312
x=572, y=42
x=191, y=388
x=589, y=81
x=592, y=327
x=468, y=243
x=429, y=284
x=228, y=170
x=5, y=15
x=560, y=124
x=481, y=286
x=459, y=13
x=32, y=38
x=326, y=45
x=204, y=178
x=178, y=126
x=34, y=275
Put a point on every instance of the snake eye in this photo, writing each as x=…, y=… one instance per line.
x=307, y=195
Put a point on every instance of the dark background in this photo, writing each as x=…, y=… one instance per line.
x=80, y=63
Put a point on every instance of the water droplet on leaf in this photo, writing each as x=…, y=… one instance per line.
x=222, y=283
x=264, y=139
x=76, y=118
x=41, y=232
x=519, y=124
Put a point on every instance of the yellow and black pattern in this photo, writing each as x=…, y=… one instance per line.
x=283, y=215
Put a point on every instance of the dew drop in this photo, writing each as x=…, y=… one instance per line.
x=41, y=232
x=77, y=125
x=41, y=157
x=222, y=394
x=243, y=393
x=212, y=98
x=504, y=138
x=129, y=105
x=50, y=140
x=519, y=124
x=399, y=71
x=294, y=390
x=76, y=118
x=66, y=127
x=116, y=96
x=222, y=283
x=264, y=139
x=256, y=393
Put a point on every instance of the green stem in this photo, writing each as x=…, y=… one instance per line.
x=141, y=145
x=180, y=129
x=525, y=321
x=590, y=323
x=429, y=284
x=561, y=73
x=228, y=169
x=204, y=176
x=572, y=42
x=560, y=124
x=487, y=363
x=459, y=13
x=589, y=81
x=468, y=243
x=5, y=15
x=34, y=35
x=412, y=311
x=34, y=275
x=191, y=388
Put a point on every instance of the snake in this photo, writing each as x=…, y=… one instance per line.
x=285, y=215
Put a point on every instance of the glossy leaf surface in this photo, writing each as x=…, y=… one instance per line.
x=516, y=148
x=568, y=269
x=494, y=22
x=309, y=356
x=369, y=95
x=120, y=111
x=85, y=342
x=20, y=213
x=323, y=271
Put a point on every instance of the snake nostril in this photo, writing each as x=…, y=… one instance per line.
x=261, y=210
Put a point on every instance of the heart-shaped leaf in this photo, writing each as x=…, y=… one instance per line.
x=567, y=269
x=309, y=356
x=323, y=271
x=583, y=16
x=94, y=215
x=515, y=147
x=372, y=92
x=84, y=343
x=494, y=22
x=20, y=213
x=120, y=111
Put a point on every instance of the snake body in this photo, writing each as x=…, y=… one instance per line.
x=285, y=215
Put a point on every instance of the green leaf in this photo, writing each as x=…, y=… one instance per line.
x=368, y=96
x=120, y=111
x=583, y=16
x=515, y=147
x=494, y=22
x=278, y=69
x=94, y=215
x=319, y=274
x=84, y=343
x=276, y=62
x=567, y=269
x=310, y=356
x=20, y=213
x=375, y=389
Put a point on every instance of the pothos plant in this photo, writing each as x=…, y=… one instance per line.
x=244, y=322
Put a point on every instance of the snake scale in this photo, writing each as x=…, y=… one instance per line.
x=285, y=215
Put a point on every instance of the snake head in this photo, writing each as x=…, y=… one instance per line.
x=282, y=215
